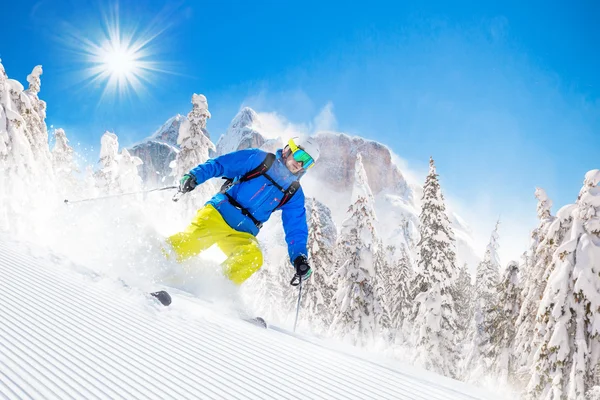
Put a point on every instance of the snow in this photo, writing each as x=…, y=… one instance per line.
x=566, y=212
x=68, y=333
x=34, y=79
x=544, y=203
x=109, y=145
x=122, y=239
x=166, y=134
x=200, y=101
x=14, y=116
x=592, y=178
x=242, y=128
x=567, y=335
x=591, y=197
x=15, y=85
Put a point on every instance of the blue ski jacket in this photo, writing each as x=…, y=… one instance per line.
x=258, y=195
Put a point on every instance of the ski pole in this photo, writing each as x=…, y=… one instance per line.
x=177, y=195
x=298, y=306
x=121, y=194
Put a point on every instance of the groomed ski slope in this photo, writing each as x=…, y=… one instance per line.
x=68, y=334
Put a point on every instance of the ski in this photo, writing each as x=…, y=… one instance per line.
x=258, y=321
x=162, y=296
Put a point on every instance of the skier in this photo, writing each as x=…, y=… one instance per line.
x=258, y=183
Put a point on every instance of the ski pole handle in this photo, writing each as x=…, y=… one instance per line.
x=177, y=196
x=296, y=280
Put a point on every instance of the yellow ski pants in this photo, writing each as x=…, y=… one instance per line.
x=207, y=228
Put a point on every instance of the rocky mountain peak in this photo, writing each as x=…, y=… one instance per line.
x=246, y=117
x=242, y=133
x=338, y=158
x=169, y=131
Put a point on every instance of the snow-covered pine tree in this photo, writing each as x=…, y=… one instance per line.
x=463, y=296
x=193, y=137
x=33, y=111
x=63, y=163
x=195, y=146
x=568, y=320
x=400, y=299
x=357, y=307
x=436, y=252
x=108, y=174
x=18, y=168
x=384, y=284
x=434, y=332
x=488, y=273
x=533, y=281
x=500, y=327
x=129, y=179
x=318, y=299
x=487, y=278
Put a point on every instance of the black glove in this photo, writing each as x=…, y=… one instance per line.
x=187, y=183
x=303, y=270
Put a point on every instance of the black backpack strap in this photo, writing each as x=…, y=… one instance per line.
x=258, y=171
x=244, y=211
x=261, y=169
x=288, y=193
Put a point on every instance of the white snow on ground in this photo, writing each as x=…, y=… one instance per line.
x=66, y=332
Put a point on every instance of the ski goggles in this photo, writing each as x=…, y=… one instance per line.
x=300, y=155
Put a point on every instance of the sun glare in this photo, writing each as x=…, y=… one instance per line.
x=120, y=59
x=120, y=62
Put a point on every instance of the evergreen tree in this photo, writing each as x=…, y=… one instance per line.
x=195, y=146
x=384, y=284
x=434, y=308
x=400, y=299
x=357, y=307
x=19, y=171
x=118, y=172
x=63, y=163
x=500, y=327
x=478, y=361
x=544, y=242
x=33, y=111
x=436, y=255
x=129, y=179
x=107, y=176
x=488, y=274
x=193, y=137
x=463, y=295
x=318, y=297
x=568, y=323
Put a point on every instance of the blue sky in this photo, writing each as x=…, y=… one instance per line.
x=504, y=96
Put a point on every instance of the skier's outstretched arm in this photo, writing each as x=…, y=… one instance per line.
x=229, y=165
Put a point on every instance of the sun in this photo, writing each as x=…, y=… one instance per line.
x=120, y=62
x=119, y=59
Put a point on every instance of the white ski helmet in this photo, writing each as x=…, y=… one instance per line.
x=309, y=145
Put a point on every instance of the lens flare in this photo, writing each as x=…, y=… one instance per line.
x=119, y=58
